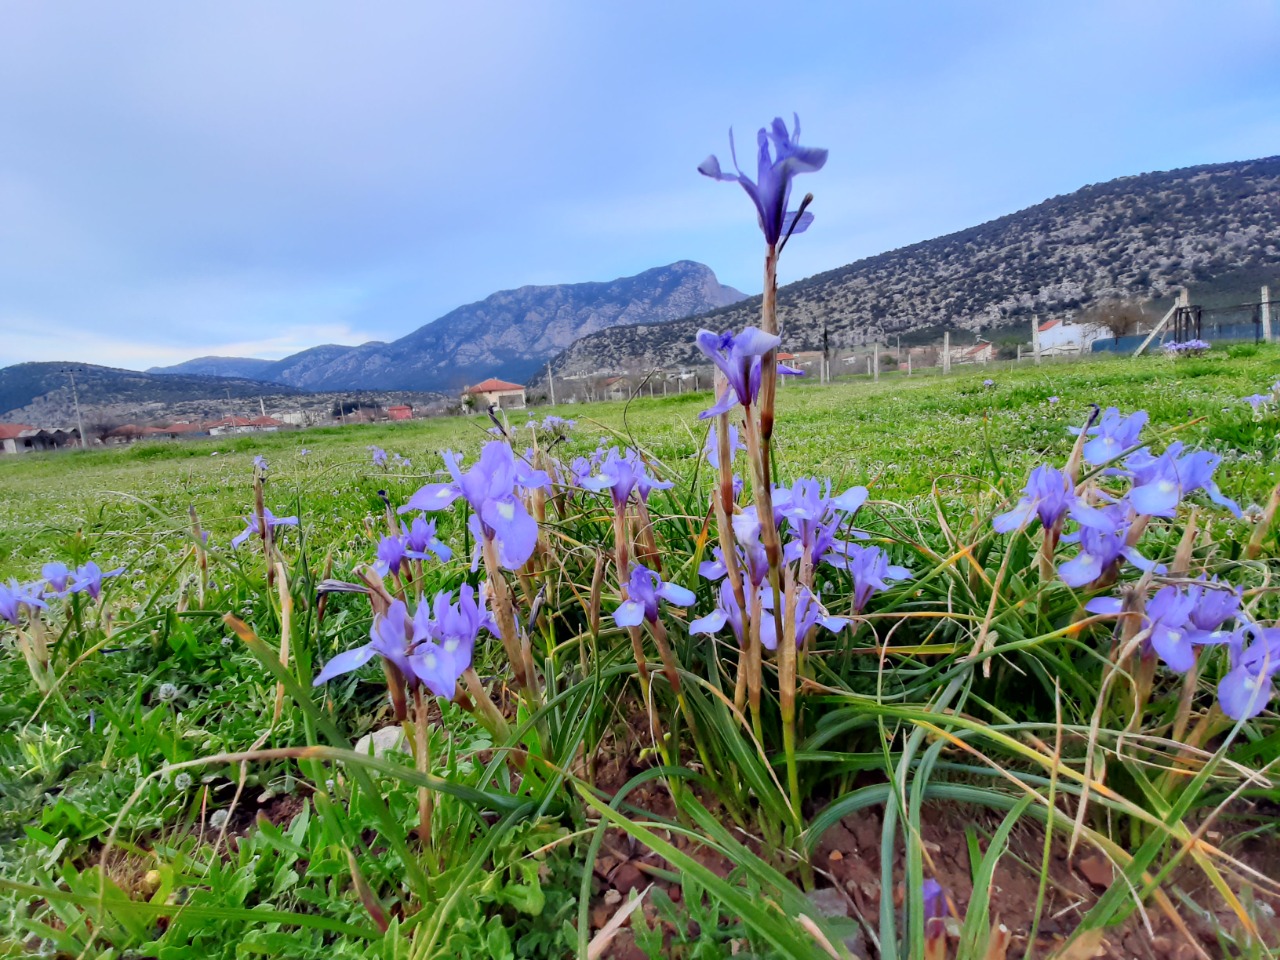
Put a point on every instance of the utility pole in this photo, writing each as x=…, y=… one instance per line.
x=262, y=406
x=551, y=384
x=877, y=361
x=75, y=399
x=946, y=352
x=1035, y=338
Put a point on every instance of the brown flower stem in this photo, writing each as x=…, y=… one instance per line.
x=202, y=558
x=622, y=564
x=504, y=609
x=768, y=529
x=486, y=710
x=787, y=695
x=264, y=530
x=1254, y=548
x=754, y=667
x=724, y=506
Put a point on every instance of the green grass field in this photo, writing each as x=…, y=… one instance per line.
x=143, y=812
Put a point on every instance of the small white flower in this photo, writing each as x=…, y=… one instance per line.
x=183, y=781
x=167, y=692
x=219, y=819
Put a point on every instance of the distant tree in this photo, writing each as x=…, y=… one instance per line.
x=1118, y=317
x=100, y=427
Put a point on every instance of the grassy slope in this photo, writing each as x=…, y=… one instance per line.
x=898, y=434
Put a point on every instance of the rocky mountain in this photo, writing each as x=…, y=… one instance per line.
x=1140, y=236
x=247, y=368
x=510, y=334
x=41, y=392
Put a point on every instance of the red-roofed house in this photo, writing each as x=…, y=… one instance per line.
x=18, y=438
x=400, y=411
x=498, y=393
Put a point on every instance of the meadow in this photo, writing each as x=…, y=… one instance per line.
x=959, y=745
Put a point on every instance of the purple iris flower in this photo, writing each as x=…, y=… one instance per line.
x=1167, y=616
x=935, y=900
x=621, y=474
x=809, y=613
x=1161, y=482
x=304, y=452
x=390, y=555
x=88, y=579
x=379, y=455
x=14, y=597
x=403, y=462
x=1247, y=688
x=1048, y=495
x=57, y=575
x=447, y=634
x=814, y=516
x=391, y=637
x=1054, y=400
x=740, y=359
x=726, y=611
x=644, y=589
x=772, y=187
x=251, y=526
x=420, y=540
x=260, y=463
x=1212, y=606
x=1102, y=543
x=712, y=447
x=871, y=572
x=751, y=558
x=1257, y=401
x=1113, y=435
x=490, y=488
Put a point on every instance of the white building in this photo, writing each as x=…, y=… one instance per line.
x=1063, y=337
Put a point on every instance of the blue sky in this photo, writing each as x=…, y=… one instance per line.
x=255, y=178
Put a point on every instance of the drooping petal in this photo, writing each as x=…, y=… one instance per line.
x=711, y=624
x=1244, y=694
x=345, y=662
x=726, y=402
x=675, y=594
x=630, y=613
x=432, y=497
x=516, y=533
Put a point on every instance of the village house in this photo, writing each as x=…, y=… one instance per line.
x=23, y=438
x=614, y=388
x=400, y=411
x=496, y=393
x=1060, y=338
x=976, y=353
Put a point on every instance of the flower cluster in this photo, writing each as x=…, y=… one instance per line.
x=1105, y=521
x=433, y=647
x=57, y=580
x=622, y=473
x=1186, y=348
x=493, y=488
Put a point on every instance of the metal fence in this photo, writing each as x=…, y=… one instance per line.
x=1235, y=322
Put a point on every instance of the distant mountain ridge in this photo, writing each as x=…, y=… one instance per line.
x=43, y=391
x=1138, y=236
x=510, y=334
x=248, y=368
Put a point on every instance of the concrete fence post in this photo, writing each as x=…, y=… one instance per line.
x=1266, y=314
